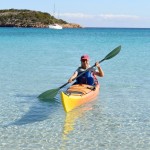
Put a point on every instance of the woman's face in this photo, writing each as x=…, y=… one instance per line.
x=84, y=63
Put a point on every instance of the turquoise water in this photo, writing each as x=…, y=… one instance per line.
x=35, y=60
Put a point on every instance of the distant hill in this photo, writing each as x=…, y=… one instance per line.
x=29, y=18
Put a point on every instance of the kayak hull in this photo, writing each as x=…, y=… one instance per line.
x=77, y=95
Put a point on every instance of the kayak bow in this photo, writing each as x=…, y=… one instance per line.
x=77, y=95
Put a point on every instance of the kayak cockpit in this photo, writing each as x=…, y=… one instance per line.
x=77, y=93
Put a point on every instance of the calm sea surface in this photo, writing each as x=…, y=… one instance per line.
x=35, y=60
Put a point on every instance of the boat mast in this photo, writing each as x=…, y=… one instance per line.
x=54, y=10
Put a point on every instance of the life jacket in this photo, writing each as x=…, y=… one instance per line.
x=88, y=78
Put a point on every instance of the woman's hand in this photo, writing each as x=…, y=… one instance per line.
x=97, y=64
x=70, y=80
x=73, y=77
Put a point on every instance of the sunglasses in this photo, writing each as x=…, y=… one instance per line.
x=83, y=60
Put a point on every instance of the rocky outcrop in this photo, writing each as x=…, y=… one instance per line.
x=71, y=25
x=29, y=18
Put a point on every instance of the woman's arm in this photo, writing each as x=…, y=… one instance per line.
x=73, y=77
x=100, y=72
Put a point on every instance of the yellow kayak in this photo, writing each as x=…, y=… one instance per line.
x=77, y=95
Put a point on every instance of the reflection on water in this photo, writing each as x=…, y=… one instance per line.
x=71, y=118
x=38, y=111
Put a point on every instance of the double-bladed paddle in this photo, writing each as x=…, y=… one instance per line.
x=50, y=94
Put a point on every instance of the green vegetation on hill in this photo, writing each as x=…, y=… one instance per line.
x=27, y=18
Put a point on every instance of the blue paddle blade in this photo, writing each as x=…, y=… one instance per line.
x=50, y=94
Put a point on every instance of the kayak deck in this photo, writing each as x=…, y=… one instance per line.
x=77, y=95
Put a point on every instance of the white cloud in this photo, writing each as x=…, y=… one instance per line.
x=112, y=16
x=99, y=16
x=106, y=20
x=76, y=15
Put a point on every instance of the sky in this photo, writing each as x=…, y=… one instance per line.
x=90, y=13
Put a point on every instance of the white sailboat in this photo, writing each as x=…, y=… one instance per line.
x=55, y=26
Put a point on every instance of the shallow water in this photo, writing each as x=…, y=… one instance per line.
x=35, y=60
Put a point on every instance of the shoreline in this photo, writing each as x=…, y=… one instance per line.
x=70, y=27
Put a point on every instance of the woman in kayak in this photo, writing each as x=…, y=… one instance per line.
x=90, y=76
